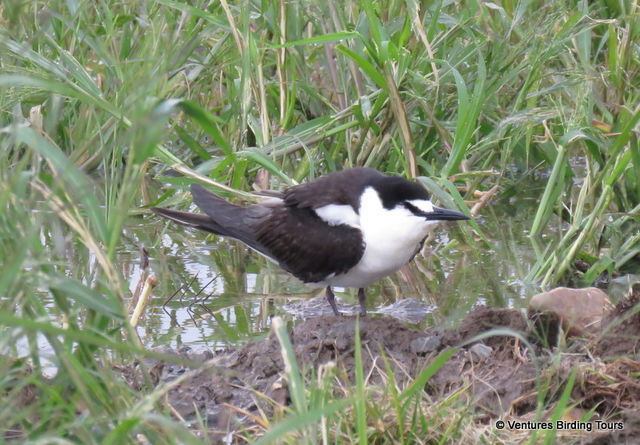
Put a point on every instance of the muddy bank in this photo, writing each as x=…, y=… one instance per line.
x=498, y=375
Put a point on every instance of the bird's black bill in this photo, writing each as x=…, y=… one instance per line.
x=439, y=214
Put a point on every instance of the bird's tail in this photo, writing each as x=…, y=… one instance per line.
x=195, y=220
x=220, y=217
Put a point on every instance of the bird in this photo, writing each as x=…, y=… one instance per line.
x=349, y=228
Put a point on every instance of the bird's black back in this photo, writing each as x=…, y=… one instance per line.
x=343, y=188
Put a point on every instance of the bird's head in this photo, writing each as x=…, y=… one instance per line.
x=397, y=195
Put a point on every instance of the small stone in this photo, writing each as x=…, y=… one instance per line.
x=578, y=310
x=424, y=345
x=481, y=351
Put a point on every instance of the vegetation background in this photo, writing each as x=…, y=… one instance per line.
x=97, y=97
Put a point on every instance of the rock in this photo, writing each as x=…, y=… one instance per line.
x=579, y=311
x=481, y=351
x=424, y=345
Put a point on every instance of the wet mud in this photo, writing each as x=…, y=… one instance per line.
x=499, y=366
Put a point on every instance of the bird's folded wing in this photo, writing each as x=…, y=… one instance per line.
x=306, y=246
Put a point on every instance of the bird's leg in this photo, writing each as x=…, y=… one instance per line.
x=362, y=299
x=331, y=298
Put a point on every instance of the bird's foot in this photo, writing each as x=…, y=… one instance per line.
x=331, y=298
x=362, y=300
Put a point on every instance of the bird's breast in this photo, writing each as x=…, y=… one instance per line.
x=381, y=257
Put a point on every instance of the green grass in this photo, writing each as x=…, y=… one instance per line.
x=98, y=97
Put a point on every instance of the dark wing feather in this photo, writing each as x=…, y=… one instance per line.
x=306, y=246
x=234, y=221
x=291, y=234
x=195, y=220
x=221, y=218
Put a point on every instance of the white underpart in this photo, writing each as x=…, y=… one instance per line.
x=336, y=214
x=391, y=239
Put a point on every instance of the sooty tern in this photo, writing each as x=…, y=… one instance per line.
x=348, y=229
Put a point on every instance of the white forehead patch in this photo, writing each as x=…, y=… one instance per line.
x=422, y=204
x=336, y=214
